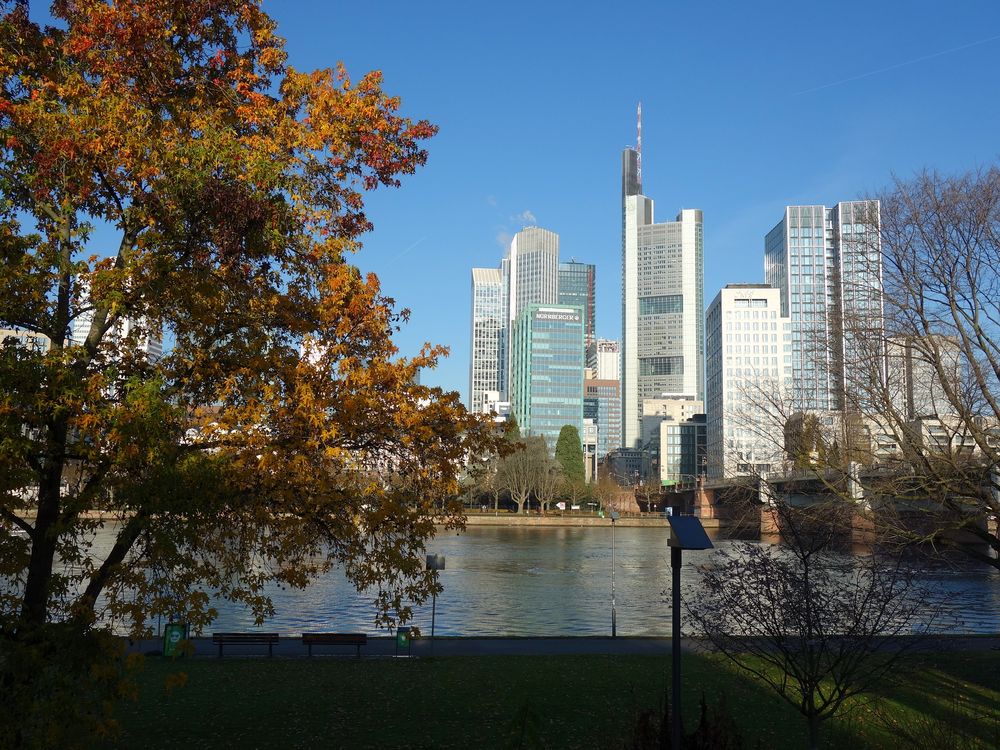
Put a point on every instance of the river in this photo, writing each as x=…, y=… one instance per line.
x=525, y=581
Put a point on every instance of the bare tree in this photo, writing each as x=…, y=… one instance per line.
x=520, y=472
x=935, y=408
x=817, y=626
x=550, y=479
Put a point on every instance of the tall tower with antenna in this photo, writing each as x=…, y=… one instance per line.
x=662, y=300
x=638, y=144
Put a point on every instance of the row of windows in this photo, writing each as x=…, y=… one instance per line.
x=661, y=305
x=661, y=366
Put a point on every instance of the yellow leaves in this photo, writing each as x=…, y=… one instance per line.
x=174, y=681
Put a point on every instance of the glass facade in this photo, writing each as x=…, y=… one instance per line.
x=826, y=262
x=576, y=287
x=602, y=403
x=547, y=370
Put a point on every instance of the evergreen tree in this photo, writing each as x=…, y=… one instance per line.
x=569, y=453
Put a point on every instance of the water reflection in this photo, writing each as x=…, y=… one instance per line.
x=524, y=581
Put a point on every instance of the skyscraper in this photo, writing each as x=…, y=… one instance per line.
x=576, y=287
x=609, y=360
x=602, y=402
x=747, y=362
x=530, y=275
x=147, y=337
x=547, y=370
x=487, y=335
x=663, y=331
x=826, y=263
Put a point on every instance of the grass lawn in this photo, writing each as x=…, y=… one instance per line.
x=553, y=702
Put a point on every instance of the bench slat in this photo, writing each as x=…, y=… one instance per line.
x=270, y=639
x=335, y=639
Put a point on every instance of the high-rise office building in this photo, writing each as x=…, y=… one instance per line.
x=826, y=264
x=663, y=332
x=747, y=365
x=486, y=354
x=530, y=276
x=547, y=370
x=602, y=402
x=609, y=360
x=146, y=336
x=576, y=287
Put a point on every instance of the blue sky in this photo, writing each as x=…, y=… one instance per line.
x=747, y=107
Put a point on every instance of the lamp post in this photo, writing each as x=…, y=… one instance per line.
x=614, y=626
x=686, y=532
x=434, y=562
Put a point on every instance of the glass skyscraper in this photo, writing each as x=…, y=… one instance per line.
x=602, y=402
x=530, y=274
x=826, y=262
x=547, y=370
x=576, y=287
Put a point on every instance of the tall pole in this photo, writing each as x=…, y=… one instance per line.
x=434, y=604
x=675, y=648
x=614, y=627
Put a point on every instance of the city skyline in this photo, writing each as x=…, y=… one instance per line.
x=730, y=134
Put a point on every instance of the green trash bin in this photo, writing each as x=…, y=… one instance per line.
x=173, y=634
x=403, y=641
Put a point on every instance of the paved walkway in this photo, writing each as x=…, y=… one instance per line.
x=291, y=646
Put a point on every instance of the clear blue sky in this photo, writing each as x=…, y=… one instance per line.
x=747, y=107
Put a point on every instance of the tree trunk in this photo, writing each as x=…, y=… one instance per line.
x=813, y=732
x=35, y=605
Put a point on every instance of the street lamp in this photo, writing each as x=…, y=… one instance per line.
x=686, y=532
x=434, y=562
x=614, y=628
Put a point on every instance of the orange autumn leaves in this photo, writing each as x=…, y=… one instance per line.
x=281, y=426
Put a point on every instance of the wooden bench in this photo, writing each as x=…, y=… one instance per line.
x=243, y=639
x=334, y=639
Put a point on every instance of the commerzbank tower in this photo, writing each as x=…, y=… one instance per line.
x=663, y=305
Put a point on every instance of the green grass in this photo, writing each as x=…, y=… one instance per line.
x=562, y=701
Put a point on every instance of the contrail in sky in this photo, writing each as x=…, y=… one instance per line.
x=404, y=252
x=898, y=65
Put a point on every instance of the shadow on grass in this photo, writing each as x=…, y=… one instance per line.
x=483, y=702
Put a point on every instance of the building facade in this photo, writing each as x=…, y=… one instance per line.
x=547, y=370
x=663, y=332
x=826, y=264
x=486, y=355
x=576, y=287
x=682, y=450
x=530, y=276
x=748, y=362
x=609, y=360
x=602, y=402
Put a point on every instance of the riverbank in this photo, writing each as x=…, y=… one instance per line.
x=290, y=646
x=502, y=518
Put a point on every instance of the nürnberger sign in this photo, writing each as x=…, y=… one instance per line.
x=571, y=317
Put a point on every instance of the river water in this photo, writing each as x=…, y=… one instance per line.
x=517, y=581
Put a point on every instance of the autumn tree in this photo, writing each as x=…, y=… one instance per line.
x=163, y=169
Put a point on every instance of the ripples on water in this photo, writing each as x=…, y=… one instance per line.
x=509, y=581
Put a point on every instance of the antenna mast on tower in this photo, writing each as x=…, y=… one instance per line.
x=639, y=145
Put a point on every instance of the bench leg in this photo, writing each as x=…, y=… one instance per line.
x=359, y=650
x=310, y=647
x=220, y=650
